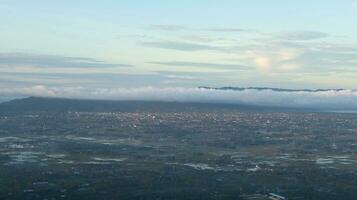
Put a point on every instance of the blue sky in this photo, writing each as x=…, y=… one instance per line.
x=116, y=44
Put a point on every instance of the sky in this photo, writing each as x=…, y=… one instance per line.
x=111, y=44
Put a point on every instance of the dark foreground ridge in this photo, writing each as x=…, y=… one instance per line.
x=31, y=104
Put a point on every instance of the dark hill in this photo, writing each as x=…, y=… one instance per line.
x=33, y=104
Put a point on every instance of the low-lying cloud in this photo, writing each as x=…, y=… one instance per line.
x=329, y=100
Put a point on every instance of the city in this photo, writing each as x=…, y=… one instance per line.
x=193, y=154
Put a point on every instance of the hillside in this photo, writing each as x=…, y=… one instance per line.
x=32, y=104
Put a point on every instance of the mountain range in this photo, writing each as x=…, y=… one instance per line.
x=270, y=88
x=38, y=104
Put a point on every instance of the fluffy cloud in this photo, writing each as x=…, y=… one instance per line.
x=330, y=99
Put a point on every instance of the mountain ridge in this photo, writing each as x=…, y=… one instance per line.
x=270, y=88
x=31, y=104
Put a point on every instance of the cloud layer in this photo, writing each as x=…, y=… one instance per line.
x=202, y=64
x=48, y=61
x=303, y=35
x=328, y=100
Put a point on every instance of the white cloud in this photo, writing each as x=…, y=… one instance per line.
x=332, y=99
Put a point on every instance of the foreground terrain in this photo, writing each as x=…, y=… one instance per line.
x=194, y=153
